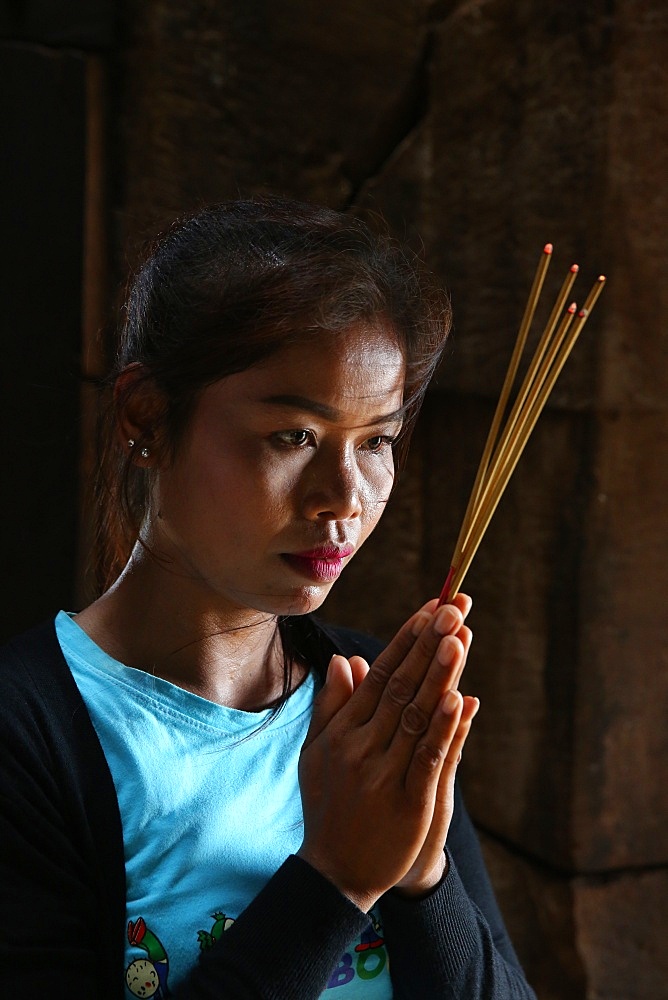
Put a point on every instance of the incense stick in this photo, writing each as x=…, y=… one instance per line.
x=505, y=446
x=535, y=372
x=525, y=325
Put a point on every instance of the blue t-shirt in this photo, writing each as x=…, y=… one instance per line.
x=210, y=807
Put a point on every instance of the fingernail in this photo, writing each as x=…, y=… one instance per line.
x=445, y=619
x=445, y=653
x=421, y=620
x=450, y=702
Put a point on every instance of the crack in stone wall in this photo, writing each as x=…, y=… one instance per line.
x=413, y=108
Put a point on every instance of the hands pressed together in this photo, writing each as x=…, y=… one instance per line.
x=378, y=765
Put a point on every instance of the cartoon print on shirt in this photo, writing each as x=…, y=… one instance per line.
x=367, y=961
x=222, y=923
x=141, y=977
x=147, y=977
x=371, y=936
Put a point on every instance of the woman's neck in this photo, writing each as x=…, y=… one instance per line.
x=158, y=623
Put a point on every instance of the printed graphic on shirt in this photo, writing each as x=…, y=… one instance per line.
x=366, y=962
x=221, y=923
x=371, y=936
x=147, y=977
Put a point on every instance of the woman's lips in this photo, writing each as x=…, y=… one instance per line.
x=320, y=565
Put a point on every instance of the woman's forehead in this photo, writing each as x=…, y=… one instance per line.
x=362, y=344
x=358, y=358
x=362, y=369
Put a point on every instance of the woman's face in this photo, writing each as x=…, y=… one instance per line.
x=282, y=474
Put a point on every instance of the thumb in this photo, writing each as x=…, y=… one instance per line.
x=338, y=687
x=359, y=668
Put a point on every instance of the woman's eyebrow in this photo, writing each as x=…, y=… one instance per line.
x=297, y=402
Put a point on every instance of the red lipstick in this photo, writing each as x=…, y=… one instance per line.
x=322, y=565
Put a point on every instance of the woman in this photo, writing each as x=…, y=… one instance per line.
x=206, y=792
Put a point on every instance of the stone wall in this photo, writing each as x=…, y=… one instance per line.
x=483, y=129
x=42, y=135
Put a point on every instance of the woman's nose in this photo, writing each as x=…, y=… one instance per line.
x=334, y=492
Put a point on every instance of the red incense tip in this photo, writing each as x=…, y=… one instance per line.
x=583, y=313
x=601, y=277
x=547, y=248
x=572, y=307
x=446, y=586
x=575, y=268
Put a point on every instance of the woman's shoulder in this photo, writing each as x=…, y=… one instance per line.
x=28, y=659
x=37, y=690
x=351, y=642
x=318, y=641
x=48, y=746
x=24, y=657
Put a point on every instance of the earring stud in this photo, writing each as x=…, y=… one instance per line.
x=145, y=453
x=131, y=443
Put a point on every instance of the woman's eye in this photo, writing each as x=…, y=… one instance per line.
x=378, y=442
x=294, y=439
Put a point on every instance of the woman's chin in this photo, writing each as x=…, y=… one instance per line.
x=300, y=601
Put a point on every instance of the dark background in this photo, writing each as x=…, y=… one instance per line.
x=480, y=130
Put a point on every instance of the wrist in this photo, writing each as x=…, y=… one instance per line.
x=419, y=886
x=362, y=899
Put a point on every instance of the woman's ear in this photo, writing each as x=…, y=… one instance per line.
x=140, y=410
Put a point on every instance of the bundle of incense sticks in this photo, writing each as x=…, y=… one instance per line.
x=506, y=443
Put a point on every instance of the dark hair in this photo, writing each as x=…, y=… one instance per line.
x=228, y=286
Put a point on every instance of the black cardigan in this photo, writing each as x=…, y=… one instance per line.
x=62, y=875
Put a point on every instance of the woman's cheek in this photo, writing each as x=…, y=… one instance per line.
x=377, y=494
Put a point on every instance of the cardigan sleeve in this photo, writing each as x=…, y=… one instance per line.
x=453, y=943
x=286, y=943
x=55, y=927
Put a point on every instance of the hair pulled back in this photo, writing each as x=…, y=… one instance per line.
x=225, y=288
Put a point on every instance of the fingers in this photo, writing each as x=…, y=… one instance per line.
x=428, y=866
x=442, y=676
x=359, y=669
x=435, y=660
x=445, y=793
x=463, y=602
x=431, y=749
x=397, y=673
x=439, y=752
x=340, y=683
x=403, y=687
x=470, y=708
x=391, y=657
x=465, y=636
